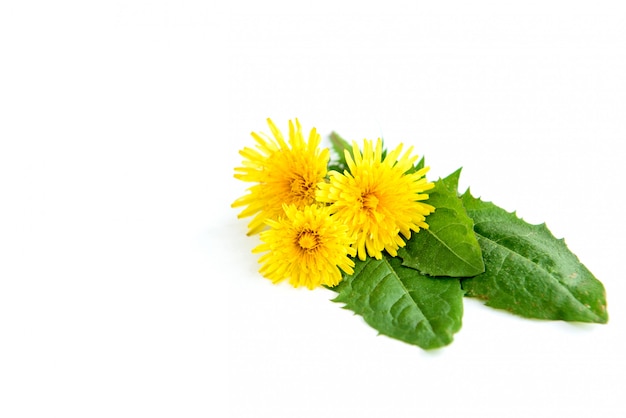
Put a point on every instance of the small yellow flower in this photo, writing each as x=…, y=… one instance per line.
x=306, y=246
x=378, y=198
x=284, y=173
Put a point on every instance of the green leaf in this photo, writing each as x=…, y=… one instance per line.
x=402, y=303
x=449, y=246
x=420, y=164
x=339, y=146
x=528, y=271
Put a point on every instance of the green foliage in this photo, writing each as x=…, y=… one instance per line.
x=449, y=246
x=476, y=249
x=528, y=271
x=339, y=146
x=402, y=303
x=420, y=164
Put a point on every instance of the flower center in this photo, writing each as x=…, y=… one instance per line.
x=301, y=188
x=369, y=201
x=308, y=240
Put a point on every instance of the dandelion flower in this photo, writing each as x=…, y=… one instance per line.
x=283, y=173
x=306, y=246
x=379, y=198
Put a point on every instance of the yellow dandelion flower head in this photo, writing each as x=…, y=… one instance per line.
x=284, y=173
x=307, y=246
x=379, y=198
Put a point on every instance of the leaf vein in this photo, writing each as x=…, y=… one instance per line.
x=450, y=249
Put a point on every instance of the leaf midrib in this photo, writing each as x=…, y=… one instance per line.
x=394, y=274
x=450, y=249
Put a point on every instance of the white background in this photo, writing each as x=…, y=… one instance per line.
x=127, y=286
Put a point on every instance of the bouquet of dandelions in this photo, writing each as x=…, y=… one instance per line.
x=399, y=250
